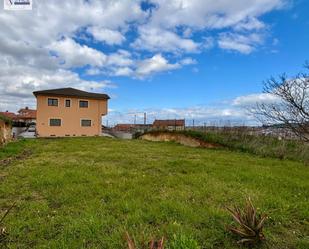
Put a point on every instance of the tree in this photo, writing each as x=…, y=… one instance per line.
x=291, y=107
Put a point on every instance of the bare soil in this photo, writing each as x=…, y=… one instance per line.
x=179, y=138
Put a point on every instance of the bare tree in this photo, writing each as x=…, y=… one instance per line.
x=291, y=105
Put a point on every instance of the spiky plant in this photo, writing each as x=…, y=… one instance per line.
x=153, y=244
x=250, y=223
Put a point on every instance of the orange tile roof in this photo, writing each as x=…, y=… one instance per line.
x=26, y=113
x=7, y=114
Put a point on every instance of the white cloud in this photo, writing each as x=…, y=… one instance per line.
x=253, y=99
x=76, y=55
x=188, y=61
x=201, y=115
x=123, y=71
x=229, y=112
x=41, y=49
x=17, y=83
x=209, y=14
x=251, y=23
x=120, y=58
x=239, y=42
x=155, y=39
x=155, y=64
x=110, y=37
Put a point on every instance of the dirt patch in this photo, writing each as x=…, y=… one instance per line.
x=23, y=155
x=179, y=138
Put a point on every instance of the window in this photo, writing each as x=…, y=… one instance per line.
x=52, y=102
x=85, y=122
x=67, y=103
x=83, y=103
x=55, y=122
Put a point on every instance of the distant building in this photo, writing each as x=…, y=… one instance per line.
x=10, y=115
x=26, y=115
x=124, y=127
x=169, y=124
x=70, y=112
x=132, y=127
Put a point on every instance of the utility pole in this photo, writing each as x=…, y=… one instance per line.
x=175, y=125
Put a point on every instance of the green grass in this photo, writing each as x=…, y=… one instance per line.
x=86, y=192
x=15, y=148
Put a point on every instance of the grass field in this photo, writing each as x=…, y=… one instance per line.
x=86, y=192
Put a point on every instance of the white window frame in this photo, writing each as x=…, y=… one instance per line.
x=53, y=98
x=65, y=100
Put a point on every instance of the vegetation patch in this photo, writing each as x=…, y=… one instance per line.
x=6, y=120
x=264, y=146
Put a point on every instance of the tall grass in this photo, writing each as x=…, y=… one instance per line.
x=265, y=146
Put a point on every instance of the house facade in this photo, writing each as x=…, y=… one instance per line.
x=69, y=112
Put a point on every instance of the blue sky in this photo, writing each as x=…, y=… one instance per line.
x=198, y=59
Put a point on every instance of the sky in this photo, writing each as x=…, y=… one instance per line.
x=202, y=60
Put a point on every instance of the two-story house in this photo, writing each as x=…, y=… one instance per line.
x=69, y=112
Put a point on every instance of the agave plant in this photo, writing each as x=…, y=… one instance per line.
x=153, y=244
x=250, y=223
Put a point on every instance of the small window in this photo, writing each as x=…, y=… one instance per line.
x=67, y=103
x=83, y=103
x=86, y=122
x=55, y=122
x=52, y=102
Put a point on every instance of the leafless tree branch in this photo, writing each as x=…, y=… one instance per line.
x=292, y=106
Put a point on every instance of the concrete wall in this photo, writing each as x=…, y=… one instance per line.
x=70, y=117
x=5, y=133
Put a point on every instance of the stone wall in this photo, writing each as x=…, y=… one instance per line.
x=5, y=132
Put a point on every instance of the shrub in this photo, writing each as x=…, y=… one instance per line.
x=250, y=228
x=183, y=242
x=6, y=120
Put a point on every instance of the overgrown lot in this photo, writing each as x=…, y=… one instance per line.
x=264, y=146
x=86, y=192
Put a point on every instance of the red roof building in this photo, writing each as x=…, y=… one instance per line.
x=10, y=115
x=25, y=115
x=169, y=124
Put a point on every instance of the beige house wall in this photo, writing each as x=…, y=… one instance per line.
x=70, y=117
